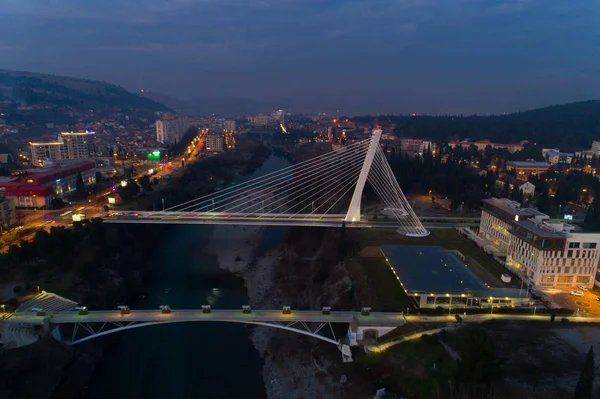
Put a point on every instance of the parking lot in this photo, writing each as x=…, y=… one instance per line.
x=584, y=305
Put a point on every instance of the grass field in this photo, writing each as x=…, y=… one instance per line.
x=417, y=369
x=376, y=286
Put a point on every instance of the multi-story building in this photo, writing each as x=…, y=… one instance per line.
x=229, y=125
x=544, y=253
x=497, y=216
x=8, y=214
x=260, y=119
x=416, y=146
x=37, y=188
x=482, y=144
x=68, y=148
x=171, y=129
x=214, y=142
x=596, y=146
x=554, y=156
x=549, y=254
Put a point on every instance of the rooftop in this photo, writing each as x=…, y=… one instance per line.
x=514, y=208
x=539, y=230
x=529, y=164
x=430, y=269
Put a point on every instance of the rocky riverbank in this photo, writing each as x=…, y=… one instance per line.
x=279, y=277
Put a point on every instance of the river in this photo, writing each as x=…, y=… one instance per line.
x=187, y=360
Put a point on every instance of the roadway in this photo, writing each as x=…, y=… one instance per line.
x=257, y=316
x=270, y=219
x=154, y=316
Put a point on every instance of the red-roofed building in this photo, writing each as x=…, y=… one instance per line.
x=37, y=188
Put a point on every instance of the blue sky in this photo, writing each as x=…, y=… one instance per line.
x=359, y=56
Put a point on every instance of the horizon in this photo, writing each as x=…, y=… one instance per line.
x=381, y=57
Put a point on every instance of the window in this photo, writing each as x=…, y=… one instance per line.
x=569, y=254
x=567, y=270
x=574, y=245
x=589, y=245
x=565, y=279
x=583, y=279
x=548, y=279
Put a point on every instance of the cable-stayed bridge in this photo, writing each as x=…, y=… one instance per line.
x=324, y=191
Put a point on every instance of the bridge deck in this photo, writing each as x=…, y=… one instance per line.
x=216, y=315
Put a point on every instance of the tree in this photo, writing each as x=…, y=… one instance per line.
x=505, y=190
x=80, y=192
x=592, y=217
x=479, y=366
x=145, y=183
x=585, y=384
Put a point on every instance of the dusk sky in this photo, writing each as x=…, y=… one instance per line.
x=359, y=56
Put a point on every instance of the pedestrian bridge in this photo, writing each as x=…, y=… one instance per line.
x=49, y=313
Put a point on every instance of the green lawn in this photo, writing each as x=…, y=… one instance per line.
x=386, y=294
x=419, y=368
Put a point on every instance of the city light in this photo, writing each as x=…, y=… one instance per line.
x=123, y=183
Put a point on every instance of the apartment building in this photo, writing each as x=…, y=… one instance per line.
x=8, y=214
x=69, y=147
x=214, y=142
x=416, y=147
x=229, y=125
x=544, y=253
x=172, y=129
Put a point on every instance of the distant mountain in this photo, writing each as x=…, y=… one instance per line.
x=35, y=89
x=569, y=127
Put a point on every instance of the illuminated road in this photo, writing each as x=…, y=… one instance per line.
x=102, y=316
x=271, y=219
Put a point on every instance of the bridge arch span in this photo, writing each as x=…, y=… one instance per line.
x=296, y=327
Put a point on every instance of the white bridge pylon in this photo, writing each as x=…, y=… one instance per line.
x=308, y=193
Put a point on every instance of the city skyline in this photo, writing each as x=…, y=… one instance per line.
x=429, y=57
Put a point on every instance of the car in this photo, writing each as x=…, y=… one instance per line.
x=582, y=288
x=576, y=293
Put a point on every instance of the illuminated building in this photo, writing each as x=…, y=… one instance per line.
x=172, y=129
x=37, y=188
x=69, y=147
x=213, y=142
x=544, y=253
x=524, y=169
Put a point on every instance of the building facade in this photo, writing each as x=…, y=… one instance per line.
x=172, y=129
x=229, y=125
x=8, y=214
x=544, y=253
x=70, y=146
x=524, y=169
x=214, y=142
x=38, y=187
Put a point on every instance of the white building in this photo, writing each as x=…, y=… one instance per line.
x=260, y=119
x=214, y=142
x=554, y=156
x=69, y=146
x=171, y=130
x=596, y=146
x=526, y=187
x=497, y=215
x=545, y=253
